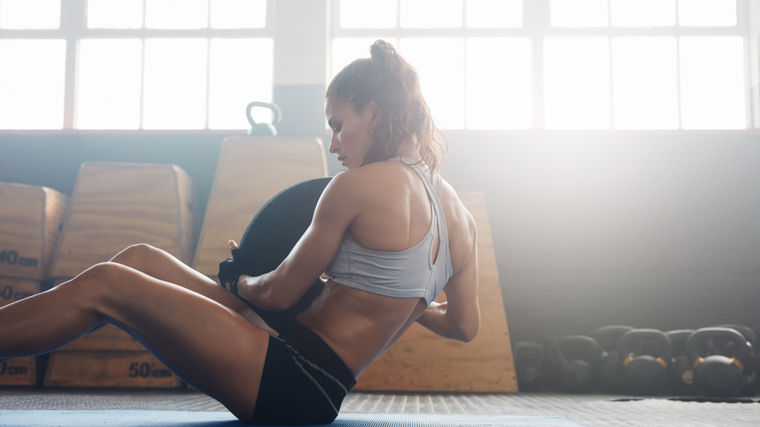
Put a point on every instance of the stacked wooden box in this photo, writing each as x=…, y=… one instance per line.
x=250, y=171
x=30, y=217
x=115, y=205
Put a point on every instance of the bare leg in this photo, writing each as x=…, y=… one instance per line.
x=205, y=343
x=162, y=265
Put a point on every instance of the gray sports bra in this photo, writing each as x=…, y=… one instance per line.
x=410, y=273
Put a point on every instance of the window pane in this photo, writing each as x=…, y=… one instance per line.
x=175, y=84
x=643, y=13
x=431, y=13
x=109, y=84
x=368, y=14
x=114, y=13
x=707, y=13
x=499, y=84
x=171, y=14
x=644, y=75
x=579, y=13
x=238, y=13
x=30, y=14
x=712, y=83
x=236, y=80
x=32, y=84
x=345, y=51
x=440, y=63
x=494, y=13
x=576, y=83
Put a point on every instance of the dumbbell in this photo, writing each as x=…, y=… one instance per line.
x=749, y=386
x=576, y=357
x=718, y=356
x=529, y=361
x=681, y=374
x=610, y=373
x=646, y=355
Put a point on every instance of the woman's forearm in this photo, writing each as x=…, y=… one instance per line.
x=256, y=289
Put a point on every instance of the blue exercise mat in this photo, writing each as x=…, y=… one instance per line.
x=219, y=419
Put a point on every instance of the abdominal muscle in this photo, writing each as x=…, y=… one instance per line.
x=358, y=325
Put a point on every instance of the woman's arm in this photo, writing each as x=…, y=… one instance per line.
x=337, y=208
x=459, y=316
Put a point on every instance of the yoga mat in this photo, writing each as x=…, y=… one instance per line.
x=219, y=419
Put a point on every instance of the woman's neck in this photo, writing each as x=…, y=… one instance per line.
x=408, y=150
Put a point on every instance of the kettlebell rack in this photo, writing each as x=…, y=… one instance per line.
x=714, y=362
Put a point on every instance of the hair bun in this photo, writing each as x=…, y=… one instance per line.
x=381, y=50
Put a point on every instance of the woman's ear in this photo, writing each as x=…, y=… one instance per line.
x=373, y=109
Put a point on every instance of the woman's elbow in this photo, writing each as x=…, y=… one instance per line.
x=468, y=334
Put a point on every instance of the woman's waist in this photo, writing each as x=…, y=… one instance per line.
x=356, y=324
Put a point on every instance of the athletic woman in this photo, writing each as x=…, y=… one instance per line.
x=388, y=231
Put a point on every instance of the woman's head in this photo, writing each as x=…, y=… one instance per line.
x=388, y=88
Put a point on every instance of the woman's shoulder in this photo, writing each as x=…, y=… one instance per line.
x=385, y=174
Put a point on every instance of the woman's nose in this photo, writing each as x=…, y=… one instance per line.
x=334, y=144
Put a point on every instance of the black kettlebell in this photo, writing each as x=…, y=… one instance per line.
x=718, y=356
x=646, y=354
x=529, y=360
x=610, y=373
x=263, y=129
x=681, y=373
x=576, y=356
x=749, y=386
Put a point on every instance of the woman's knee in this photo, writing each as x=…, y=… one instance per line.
x=137, y=256
x=91, y=286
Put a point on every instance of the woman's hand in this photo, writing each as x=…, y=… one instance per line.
x=227, y=272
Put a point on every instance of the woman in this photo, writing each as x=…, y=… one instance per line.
x=388, y=231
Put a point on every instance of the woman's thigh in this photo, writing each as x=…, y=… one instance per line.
x=162, y=265
x=204, y=342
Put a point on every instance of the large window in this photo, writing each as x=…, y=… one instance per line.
x=133, y=64
x=564, y=64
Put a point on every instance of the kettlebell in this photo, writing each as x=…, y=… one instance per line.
x=576, y=356
x=263, y=129
x=529, y=360
x=718, y=356
x=681, y=373
x=749, y=386
x=646, y=355
x=610, y=373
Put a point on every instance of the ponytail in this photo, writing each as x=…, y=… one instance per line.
x=402, y=112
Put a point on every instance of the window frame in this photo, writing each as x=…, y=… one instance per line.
x=537, y=26
x=73, y=28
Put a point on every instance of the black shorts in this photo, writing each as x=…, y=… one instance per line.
x=304, y=381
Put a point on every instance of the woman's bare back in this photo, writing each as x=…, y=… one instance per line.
x=396, y=215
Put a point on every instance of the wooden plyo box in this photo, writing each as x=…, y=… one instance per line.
x=115, y=205
x=19, y=372
x=12, y=289
x=108, y=369
x=423, y=361
x=251, y=171
x=22, y=371
x=30, y=217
